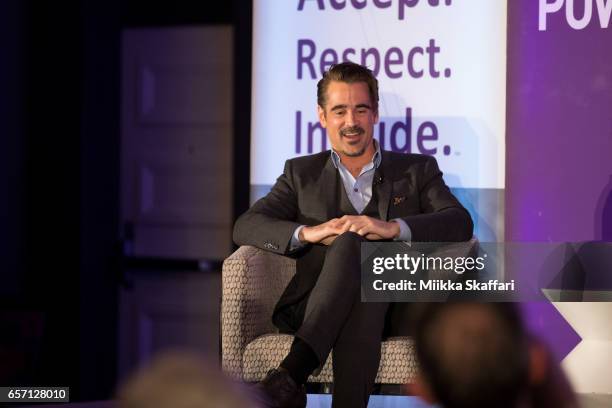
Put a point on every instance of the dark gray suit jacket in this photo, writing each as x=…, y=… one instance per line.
x=408, y=186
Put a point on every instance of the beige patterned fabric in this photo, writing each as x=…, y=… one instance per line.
x=252, y=282
x=397, y=363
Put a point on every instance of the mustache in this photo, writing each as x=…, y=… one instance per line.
x=353, y=129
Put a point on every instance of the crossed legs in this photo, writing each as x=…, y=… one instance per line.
x=335, y=318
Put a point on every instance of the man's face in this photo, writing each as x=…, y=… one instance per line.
x=349, y=118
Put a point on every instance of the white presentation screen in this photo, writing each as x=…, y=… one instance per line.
x=441, y=67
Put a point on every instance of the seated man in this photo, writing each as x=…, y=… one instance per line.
x=320, y=210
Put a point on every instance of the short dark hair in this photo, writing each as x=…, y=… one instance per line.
x=350, y=73
x=473, y=354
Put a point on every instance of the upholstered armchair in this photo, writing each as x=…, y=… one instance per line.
x=253, y=281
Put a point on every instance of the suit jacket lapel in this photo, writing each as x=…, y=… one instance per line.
x=383, y=181
x=329, y=185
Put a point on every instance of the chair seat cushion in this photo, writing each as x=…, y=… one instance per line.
x=397, y=363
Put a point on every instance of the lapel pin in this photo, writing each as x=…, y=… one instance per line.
x=398, y=200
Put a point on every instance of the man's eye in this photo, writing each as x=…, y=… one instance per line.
x=339, y=113
x=361, y=111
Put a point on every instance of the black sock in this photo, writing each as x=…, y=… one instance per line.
x=300, y=362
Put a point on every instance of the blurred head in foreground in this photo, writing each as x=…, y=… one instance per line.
x=182, y=380
x=479, y=355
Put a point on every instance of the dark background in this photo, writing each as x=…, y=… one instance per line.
x=59, y=180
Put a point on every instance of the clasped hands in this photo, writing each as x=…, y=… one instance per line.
x=368, y=227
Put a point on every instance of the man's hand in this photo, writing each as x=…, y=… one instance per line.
x=323, y=233
x=370, y=228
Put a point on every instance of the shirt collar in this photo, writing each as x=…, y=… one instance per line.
x=376, y=159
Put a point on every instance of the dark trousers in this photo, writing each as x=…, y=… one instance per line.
x=335, y=318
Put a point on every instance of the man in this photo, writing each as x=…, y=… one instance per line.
x=319, y=211
x=182, y=379
x=479, y=355
x=471, y=355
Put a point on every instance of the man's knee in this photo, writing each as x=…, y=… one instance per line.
x=348, y=240
x=344, y=255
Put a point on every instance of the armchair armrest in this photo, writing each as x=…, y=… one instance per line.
x=252, y=282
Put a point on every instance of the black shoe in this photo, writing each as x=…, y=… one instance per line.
x=280, y=391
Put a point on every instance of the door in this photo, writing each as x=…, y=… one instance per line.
x=176, y=142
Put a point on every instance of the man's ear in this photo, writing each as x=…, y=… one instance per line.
x=421, y=389
x=322, y=118
x=538, y=363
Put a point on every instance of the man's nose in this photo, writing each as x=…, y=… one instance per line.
x=350, y=118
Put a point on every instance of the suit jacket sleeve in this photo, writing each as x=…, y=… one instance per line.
x=270, y=222
x=443, y=218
